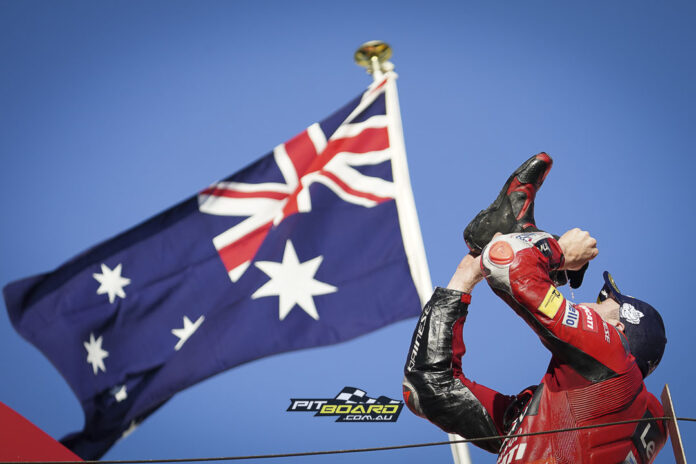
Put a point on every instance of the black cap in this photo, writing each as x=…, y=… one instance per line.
x=643, y=326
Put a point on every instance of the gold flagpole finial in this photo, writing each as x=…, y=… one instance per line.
x=374, y=56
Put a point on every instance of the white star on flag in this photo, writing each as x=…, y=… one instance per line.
x=95, y=353
x=293, y=282
x=187, y=331
x=131, y=428
x=120, y=393
x=111, y=282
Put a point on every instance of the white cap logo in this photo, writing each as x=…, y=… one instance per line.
x=630, y=313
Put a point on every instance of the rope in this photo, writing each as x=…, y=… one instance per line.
x=364, y=450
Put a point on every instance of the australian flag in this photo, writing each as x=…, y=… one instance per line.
x=315, y=243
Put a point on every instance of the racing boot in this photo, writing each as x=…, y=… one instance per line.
x=575, y=278
x=513, y=210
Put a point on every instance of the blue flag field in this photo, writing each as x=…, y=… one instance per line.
x=315, y=243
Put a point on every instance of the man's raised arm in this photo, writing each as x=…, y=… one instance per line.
x=434, y=385
x=517, y=268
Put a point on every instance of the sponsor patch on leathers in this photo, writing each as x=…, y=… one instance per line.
x=552, y=302
x=589, y=322
x=571, y=318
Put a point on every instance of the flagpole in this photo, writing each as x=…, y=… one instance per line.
x=374, y=56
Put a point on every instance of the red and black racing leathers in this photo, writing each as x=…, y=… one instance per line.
x=592, y=377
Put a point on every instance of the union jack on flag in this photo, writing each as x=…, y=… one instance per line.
x=314, y=243
x=333, y=159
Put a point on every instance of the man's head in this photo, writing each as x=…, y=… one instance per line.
x=640, y=322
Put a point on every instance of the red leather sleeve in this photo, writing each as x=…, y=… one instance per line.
x=575, y=334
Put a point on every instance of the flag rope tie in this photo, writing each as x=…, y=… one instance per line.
x=363, y=450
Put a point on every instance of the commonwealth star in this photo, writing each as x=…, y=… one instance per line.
x=293, y=282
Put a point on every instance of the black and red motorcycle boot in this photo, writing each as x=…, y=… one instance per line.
x=513, y=210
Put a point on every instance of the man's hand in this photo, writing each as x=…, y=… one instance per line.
x=467, y=275
x=578, y=248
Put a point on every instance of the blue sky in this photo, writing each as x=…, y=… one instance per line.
x=114, y=111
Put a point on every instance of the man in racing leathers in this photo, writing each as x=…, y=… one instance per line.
x=600, y=352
